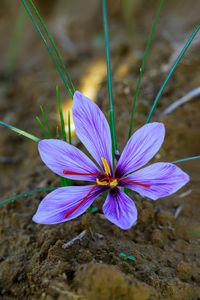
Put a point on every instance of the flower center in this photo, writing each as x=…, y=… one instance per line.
x=110, y=181
x=106, y=180
x=107, y=173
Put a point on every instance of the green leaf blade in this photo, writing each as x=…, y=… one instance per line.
x=142, y=67
x=21, y=132
x=185, y=159
x=48, y=48
x=52, y=43
x=26, y=194
x=42, y=127
x=46, y=122
x=189, y=41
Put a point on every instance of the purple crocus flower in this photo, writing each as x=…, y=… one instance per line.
x=154, y=181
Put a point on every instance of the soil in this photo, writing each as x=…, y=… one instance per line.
x=33, y=263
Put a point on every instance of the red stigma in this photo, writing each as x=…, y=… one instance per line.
x=136, y=183
x=106, y=177
x=84, y=174
x=76, y=207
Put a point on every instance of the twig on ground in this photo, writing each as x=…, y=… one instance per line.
x=78, y=237
x=185, y=193
x=189, y=96
x=95, y=235
x=177, y=212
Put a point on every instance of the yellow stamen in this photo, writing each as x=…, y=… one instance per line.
x=102, y=182
x=106, y=166
x=113, y=183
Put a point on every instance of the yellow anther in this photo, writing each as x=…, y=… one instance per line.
x=114, y=183
x=111, y=183
x=102, y=182
x=106, y=166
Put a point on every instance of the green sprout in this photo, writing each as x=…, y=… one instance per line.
x=126, y=257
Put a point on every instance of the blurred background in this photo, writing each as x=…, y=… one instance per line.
x=28, y=76
x=166, y=249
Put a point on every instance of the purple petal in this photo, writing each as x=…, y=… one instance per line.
x=141, y=147
x=164, y=179
x=58, y=203
x=120, y=209
x=60, y=156
x=92, y=128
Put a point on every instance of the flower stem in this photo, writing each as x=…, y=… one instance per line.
x=26, y=194
x=22, y=132
x=49, y=50
x=185, y=159
x=171, y=72
x=109, y=77
x=142, y=67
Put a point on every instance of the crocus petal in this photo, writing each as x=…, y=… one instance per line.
x=92, y=128
x=141, y=147
x=58, y=203
x=164, y=179
x=120, y=209
x=59, y=156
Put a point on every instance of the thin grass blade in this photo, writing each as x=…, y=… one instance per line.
x=69, y=129
x=61, y=115
x=42, y=127
x=171, y=72
x=142, y=67
x=185, y=159
x=49, y=50
x=26, y=194
x=22, y=132
x=52, y=43
x=109, y=78
x=57, y=133
x=46, y=121
x=64, y=181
